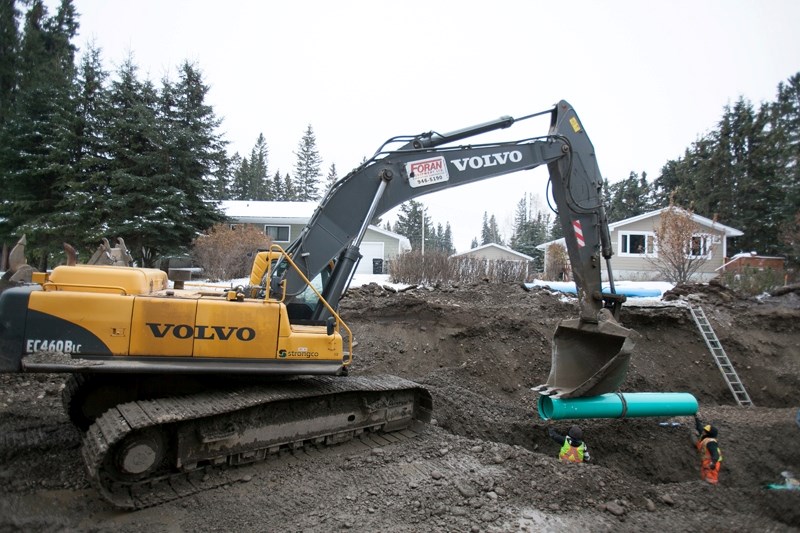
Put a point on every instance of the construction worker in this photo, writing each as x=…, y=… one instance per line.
x=708, y=448
x=573, y=449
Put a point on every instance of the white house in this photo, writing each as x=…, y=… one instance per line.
x=494, y=251
x=498, y=252
x=633, y=243
x=283, y=222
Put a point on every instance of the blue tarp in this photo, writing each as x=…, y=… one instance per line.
x=633, y=291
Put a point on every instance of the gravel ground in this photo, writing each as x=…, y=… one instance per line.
x=485, y=463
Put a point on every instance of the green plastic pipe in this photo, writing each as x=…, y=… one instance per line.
x=619, y=405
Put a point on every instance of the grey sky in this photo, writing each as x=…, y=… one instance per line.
x=646, y=78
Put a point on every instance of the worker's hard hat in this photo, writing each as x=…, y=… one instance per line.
x=710, y=430
x=575, y=432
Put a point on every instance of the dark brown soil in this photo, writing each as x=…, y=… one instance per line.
x=486, y=463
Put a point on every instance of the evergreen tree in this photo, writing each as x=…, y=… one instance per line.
x=629, y=197
x=240, y=181
x=490, y=233
x=410, y=223
x=332, y=178
x=531, y=228
x=258, y=188
x=144, y=202
x=199, y=161
x=486, y=232
x=224, y=184
x=277, y=188
x=307, y=168
x=289, y=194
x=80, y=211
x=785, y=114
x=447, y=240
x=474, y=243
x=37, y=140
x=9, y=50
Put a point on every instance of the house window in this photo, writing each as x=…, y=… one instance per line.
x=700, y=246
x=234, y=226
x=277, y=233
x=636, y=244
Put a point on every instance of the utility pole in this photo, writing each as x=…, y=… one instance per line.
x=423, y=233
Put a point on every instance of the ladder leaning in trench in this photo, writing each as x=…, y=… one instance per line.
x=720, y=357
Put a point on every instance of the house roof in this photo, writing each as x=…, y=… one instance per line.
x=506, y=249
x=298, y=212
x=703, y=221
x=253, y=211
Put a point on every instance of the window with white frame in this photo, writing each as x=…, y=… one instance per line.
x=636, y=244
x=700, y=246
x=277, y=233
x=234, y=226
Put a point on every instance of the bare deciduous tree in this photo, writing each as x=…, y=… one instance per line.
x=681, y=245
x=226, y=253
x=557, y=267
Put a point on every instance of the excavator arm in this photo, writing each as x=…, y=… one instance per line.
x=424, y=164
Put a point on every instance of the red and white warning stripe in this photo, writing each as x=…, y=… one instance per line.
x=576, y=225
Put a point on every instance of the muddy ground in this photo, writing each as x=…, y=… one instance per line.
x=485, y=463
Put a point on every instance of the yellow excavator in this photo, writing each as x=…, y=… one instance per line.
x=169, y=382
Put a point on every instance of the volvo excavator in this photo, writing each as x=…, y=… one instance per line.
x=170, y=382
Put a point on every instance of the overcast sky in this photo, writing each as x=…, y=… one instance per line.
x=646, y=78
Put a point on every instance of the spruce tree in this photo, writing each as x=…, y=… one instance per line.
x=307, y=168
x=81, y=210
x=629, y=197
x=240, y=181
x=447, y=241
x=332, y=177
x=786, y=121
x=199, y=160
x=258, y=187
x=37, y=140
x=531, y=228
x=277, y=188
x=9, y=50
x=409, y=223
x=144, y=205
x=290, y=195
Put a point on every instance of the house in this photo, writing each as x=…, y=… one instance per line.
x=283, y=222
x=634, y=246
x=497, y=252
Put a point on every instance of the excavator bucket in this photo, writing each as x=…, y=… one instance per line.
x=588, y=359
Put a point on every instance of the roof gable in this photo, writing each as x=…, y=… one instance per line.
x=703, y=221
x=496, y=246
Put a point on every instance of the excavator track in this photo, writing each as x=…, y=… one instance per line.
x=143, y=453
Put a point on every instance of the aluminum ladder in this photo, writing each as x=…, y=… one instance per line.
x=720, y=357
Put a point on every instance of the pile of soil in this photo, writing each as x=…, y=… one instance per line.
x=486, y=462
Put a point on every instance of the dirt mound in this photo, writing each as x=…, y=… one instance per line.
x=486, y=462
